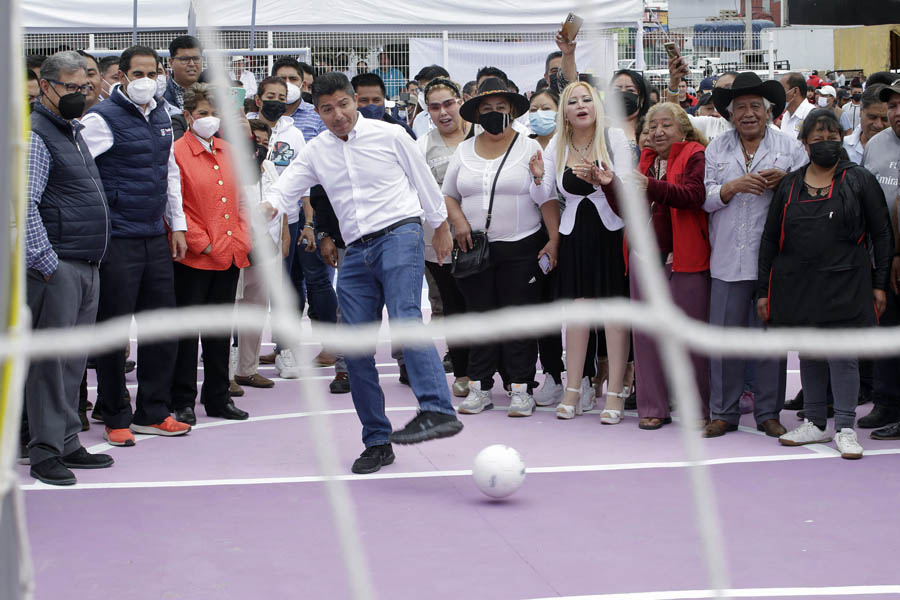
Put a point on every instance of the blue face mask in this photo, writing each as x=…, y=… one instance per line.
x=543, y=122
x=372, y=111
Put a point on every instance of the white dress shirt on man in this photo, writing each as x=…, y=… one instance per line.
x=791, y=123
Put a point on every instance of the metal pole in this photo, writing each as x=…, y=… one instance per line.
x=639, y=63
x=748, y=25
x=446, y=43
x=270, y=41
x=253, y=26
x=192, y=20
x=134, y=25
x=771, y=35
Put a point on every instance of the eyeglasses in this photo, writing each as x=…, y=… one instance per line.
x=197, y=60
x=446, y=105
x=72, y=88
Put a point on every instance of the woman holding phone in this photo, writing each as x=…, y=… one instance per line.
x=495, y=184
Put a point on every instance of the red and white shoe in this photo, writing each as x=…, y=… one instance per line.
x=118, y=437
x=170, y=427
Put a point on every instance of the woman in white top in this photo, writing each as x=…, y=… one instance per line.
x=591, y=258
x=516, y=241
x=442, y=100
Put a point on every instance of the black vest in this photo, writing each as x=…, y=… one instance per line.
x=73, y=205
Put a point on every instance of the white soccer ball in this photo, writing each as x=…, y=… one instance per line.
x=499, y=471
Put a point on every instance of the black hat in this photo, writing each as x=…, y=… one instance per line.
x=749, y=84
x=885, y=94
x=492, y=86
x=704, y=99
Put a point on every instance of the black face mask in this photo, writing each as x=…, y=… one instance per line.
x=630, y=103
x=856, y=97
x=71, y=106
x=554, y=82
x=825, y=154
x=261, y=153
x=272, y=110
x=494, y=122
x=307, y=97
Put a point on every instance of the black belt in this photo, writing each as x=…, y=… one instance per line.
x=377, y=234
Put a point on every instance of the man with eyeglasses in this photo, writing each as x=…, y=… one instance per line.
x=186, y=60
x=130, y=137
x=66, y=237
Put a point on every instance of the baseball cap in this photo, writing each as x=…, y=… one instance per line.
x=827, y=90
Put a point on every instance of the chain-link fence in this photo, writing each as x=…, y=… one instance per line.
x=352, y=53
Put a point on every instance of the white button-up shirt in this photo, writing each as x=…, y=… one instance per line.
x=791, y=123
x=853, y=145
x=374, y=179
x=99, y=139
x=735, y=229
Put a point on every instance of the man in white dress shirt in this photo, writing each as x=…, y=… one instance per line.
x=380, y=188
x=797, y=106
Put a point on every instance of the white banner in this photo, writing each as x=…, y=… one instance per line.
x=523, y=62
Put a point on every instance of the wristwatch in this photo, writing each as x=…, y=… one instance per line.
x=322, y=235
x=308, y=225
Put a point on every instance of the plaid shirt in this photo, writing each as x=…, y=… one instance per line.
x=308, y=121
x=179, y=93
x=39, y=253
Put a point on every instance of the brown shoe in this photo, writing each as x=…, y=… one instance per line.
x=267, y=359
x=256, y=380
x=325, y=359
x=772, y=427
x=235, y=390
x=718, y=428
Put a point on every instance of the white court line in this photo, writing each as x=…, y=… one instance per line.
x=133, y=386
x=867, y=590
x=38, y=486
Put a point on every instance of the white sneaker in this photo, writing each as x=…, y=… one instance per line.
x=807, y=433
x=588, y=399
x=847, y=444
x=550, y=393
x=286, y=366
x=521, y=403
x=476, y=401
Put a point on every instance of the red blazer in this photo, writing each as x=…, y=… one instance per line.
x=209, y=189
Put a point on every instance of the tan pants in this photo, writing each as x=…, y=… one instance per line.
x=255, y=293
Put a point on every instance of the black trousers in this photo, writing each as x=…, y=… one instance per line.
x=195, y=287
x=454, y=304
x=513, y=279
x=550, y=347
x=136, y=275
x=886, y=391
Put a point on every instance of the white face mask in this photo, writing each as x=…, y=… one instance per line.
x=822, y=102
x=293, y=93
x=206, y=127
x=160, y=85
x=141, y=91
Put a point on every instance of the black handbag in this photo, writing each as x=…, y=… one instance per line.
x=478, y=257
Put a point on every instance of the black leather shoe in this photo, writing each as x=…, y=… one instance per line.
x=129, y=366
x=427, y=425
x=228, y=411
x=82, y=459
x=891, y=432
x=631, y=400
x=796, y=403
x=85, y=424
x=52, y=471
x=879, y=417
x=448, y=364
x=340, y=384
x=372, y=459
x=404, y=376
x=186, y=415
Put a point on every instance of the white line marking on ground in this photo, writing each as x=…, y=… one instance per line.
x=133, y=386
x=869, y=590
x=38, y=486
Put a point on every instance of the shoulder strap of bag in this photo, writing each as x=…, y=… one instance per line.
x=496, y=177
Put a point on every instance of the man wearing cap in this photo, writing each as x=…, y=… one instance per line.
x=381, y=189
x=882, y=158
x=241, y=73
x=797, y=106
x=826, y=97
x=706, y=108
x=743, y=168
x=850, y=119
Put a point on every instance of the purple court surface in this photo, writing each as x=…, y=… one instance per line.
x=238, y=510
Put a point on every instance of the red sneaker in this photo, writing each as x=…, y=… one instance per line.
x=169, y=427
x=118, y=437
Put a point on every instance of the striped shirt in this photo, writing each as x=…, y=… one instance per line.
x=308, y=121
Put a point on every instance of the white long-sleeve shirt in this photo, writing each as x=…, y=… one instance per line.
x=374, y=179
x=99, y=139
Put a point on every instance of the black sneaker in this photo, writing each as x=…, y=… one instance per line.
x=53, y=472
x=796, y=403
x=879, y=417
x=372, y=459
x=340, y=384
x=404, y=376
x=427, y=425
x=82, y=459
x=448, y=364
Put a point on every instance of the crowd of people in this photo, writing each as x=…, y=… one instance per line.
x=768, y=211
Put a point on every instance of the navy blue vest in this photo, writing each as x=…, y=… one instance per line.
x=73, y=207
x=135, y=169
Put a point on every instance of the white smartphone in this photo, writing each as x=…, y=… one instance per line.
x=544, y=263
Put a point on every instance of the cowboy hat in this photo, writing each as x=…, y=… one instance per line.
x=492, y=86
x=749, y=84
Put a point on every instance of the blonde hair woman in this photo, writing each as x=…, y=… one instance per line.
x=591, y=259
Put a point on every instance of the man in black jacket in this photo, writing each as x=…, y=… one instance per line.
x=66, y=237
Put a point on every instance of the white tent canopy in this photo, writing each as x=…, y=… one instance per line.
x=46, y=16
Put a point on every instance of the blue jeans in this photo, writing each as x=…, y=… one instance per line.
x=388, y=271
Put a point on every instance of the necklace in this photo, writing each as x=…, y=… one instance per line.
x=582, y=152
x=748, y=158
